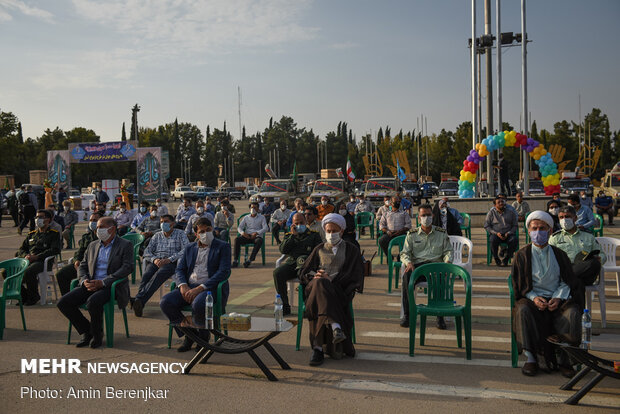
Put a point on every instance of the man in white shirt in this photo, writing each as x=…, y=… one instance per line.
x=161, y=208
x=123, y=219
x=278, y=220
x=203, y=265
x=251, y=231
x=200, y=212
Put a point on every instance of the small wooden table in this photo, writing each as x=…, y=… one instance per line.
x=228, y=345
x=604, y=368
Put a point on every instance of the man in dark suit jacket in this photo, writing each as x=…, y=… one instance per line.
x=107, y=260
x=203, y=265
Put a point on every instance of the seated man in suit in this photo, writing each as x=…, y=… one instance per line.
x=202, y=266
x=548, y=297
x=38, y=245
x=106, y=260
x=331, y=275
x=161, y=256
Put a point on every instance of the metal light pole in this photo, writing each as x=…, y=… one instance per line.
x=526, y=160
x=498, y=30
x=489, y=90
x=474, y=88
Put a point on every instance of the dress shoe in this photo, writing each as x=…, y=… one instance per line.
x=404, y=322
x=137, y=307
x=86, y=338
x=97, y=341
x=234, y=264
x=505, y=262
x=246, y=264
x=567, y=371
x=316, y=358
x=530, y=369
x=441, y=323
x=339, y=336
x=349, y=349
x=187, y=345
x=498, y=262
x=33, y=301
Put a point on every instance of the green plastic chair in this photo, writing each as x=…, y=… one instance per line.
x=527, y=233
x=598, y=231
x=466, y=228
x=363, y=220
x=300, y=317
x=490, y=255
x=240, y=217
x=135, y=239
x=12, y=288
x=514, y=352
x=400, y=242
x=440, y=278
x=108, y=315
x=284, y=230
x=247, y=246
x=218, y=310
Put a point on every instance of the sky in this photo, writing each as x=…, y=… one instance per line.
x=70, y=63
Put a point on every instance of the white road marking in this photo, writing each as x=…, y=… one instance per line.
x=431, y=359
x=506, y=308
x=469, y=392
x=405, y=334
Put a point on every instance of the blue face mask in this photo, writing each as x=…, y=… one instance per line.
x=165, y=227
x=301, y=228
x=539, y=237
x=142, y=209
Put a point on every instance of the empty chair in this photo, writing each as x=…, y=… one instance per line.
x=609, y=246
x=45, y=277
x=11, y=288
x=458, y=246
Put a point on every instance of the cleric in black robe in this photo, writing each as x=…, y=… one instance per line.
x=330, y=276
x=443, y=218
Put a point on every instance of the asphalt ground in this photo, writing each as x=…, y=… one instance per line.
x=381, y=378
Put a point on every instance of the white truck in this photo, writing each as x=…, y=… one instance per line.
x=182, y=192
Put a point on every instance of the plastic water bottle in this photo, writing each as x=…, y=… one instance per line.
x=586, y=329
x=278, y=312
x=209, y=311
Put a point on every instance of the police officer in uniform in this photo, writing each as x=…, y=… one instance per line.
x=297, y=245
x=425, y=244
x=578, y=244
x=38, y=245
x=69, y=272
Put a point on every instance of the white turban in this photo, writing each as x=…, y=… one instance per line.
x=336, y=219
x=539, y=215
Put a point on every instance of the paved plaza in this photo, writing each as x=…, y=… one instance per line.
x=381, y=378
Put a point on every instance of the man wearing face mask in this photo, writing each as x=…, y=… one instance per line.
x=553, y=208
x=143, y=213
x=300, y=205
x=521, y=206
x=297, y=245
x=604, y=205
x=313, y=224
x=387, y=203
x=149, y=227
x=586, y=200
x=101, y=196
x=161, y=208
x=268, y=209
x=184, y=212
x=209, y=207
x=331, y=275
x=351, y=204
x=202, y=266
x=577, y=245
x=394, y=223
x=426, y=244
x=549, y=298
x=501, y=224
x=200, y=212
x=325, y=208
x=161, y=255
x=69, y=272
x=585, y=217
x=224, y=221
x=443, y=218
x=106, y=261
x=251, y=231
x=278, y=220
x=558, y=198
x=70, y=218
x=123, y=219
x=38, y=245
x=349, y=232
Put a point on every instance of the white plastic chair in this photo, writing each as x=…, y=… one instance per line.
x=45, y=277
x=289, y=283
x=458, y=243
x=609, y=246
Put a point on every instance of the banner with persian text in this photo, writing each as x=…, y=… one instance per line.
x=103, y=151
x=59, y=169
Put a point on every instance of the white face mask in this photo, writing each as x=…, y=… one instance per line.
x=426, y=221
x=283, y=207
x=332, y=238
x=444, y=211
x=567, y=223
x=553, y=211
x=122, y=210
x=224, y=208
x=342, y=212
x=153, y=214
x=253, y=211
x=40, y=223
x=324, y=202
x=200, y=210
x=103, y=234
x=67, y=208
x=386, y=203
x=206, y=238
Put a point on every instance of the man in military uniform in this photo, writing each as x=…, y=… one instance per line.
x=38, y=245
x=577, y=245
x=297, y=245
x=426, y=244
x=69, y=272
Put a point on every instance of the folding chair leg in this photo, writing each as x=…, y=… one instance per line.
x=422, y=328
x=69, y=335
x=169, y=336
x=125, y=320
x=467, y=322
x=459, y=339
x=413, y=317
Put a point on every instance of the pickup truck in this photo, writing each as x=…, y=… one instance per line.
x=378, y=188
x=334, y=188
x=610, y=185
x=278, y=190
x=182, y=192
x=231, y=193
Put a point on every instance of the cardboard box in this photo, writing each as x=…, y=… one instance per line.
x=329, y=173
x=7, y=181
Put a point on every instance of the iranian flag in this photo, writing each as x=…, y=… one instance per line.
x=350, y=174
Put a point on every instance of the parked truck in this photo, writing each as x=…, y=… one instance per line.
x=610, y=185
x=278, y=190
x=379, y=187
x=334, y=188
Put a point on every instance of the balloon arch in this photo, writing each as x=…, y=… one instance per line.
x=548, y=168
